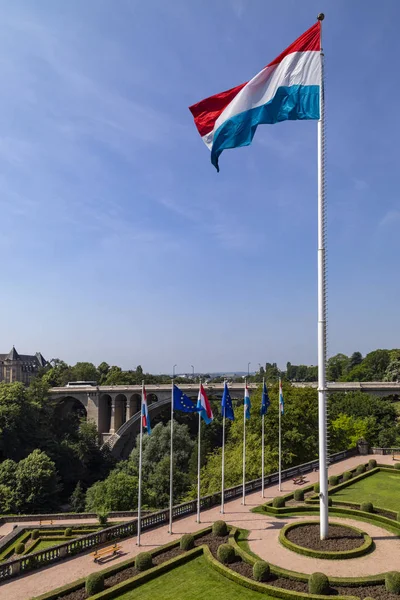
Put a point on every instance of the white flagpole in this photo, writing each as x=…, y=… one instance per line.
x=262, y=449
x=323, y=464
x=171, y=464
x=280, y=438
x=139, y=516
x=244, y=445
x=223, y=460
x=198, y=462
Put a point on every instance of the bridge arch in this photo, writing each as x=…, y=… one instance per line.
x=69, y=405
x=120, y=410
x=104, y=419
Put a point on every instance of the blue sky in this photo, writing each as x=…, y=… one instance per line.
x=119, y=240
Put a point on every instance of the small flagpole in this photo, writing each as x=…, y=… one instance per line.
x=171, y=463
x=244, y=444
x=198, y=462
x=280, y=438
x=262, y=448
x=223, y=459
x=139, y=516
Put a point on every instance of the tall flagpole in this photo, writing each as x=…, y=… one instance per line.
x=280, y=437
x=198, y=462
x=262, y=449
x=323, y=464
x=244, y=444
x=171, y=463
x=139, y=516
x=223, y=460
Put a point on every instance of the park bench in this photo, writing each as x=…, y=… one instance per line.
x=46, y=522
x=395, y=456
x=110, y=550
x=299, y=480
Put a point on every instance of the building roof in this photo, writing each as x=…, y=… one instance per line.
x=34, y=360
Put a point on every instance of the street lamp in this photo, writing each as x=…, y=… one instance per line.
x=173, y=371
x=192, y=370
x=248, y=369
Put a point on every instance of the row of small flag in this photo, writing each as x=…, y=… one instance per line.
x=182, y=403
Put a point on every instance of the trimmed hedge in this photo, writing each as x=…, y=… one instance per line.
x=392, y=582
x=187, y=542
x=299, y=495
x=261, y=571
x=372, y=463
x=360, y=469
x=278, y=502
x=367, y=507
x=220, y=528
x=397, y=466
x=20, y=548
x=68, y=532
x=316, y=488
x=333, y=479
x=347, y=475
x=143, y=561
x=318, y=583
x=226, y=554
x=94, y=584
x=35, y=534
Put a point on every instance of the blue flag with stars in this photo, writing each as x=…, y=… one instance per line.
x=265, y=401
x=182, y=402
x=226, y=404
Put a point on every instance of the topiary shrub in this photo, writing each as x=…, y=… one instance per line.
x=278, y=502
x=367, y=507
x=20, y=548
x=392, y=582
x=299, y=495
x=94, y=584
x=103, y=518
x=68, y=532
x=220, y=529
x=187, y=542
x=318, y=583
x=330, y=502
x=35, y=534
x=397, y=466
x=360, y=469
x=226, y=553
x=261, y=571
x=347, y=475
x=316, y=488
x=372, y=463
x=333, y=480
x=143, y=561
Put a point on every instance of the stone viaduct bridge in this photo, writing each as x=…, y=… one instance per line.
x=116, y=409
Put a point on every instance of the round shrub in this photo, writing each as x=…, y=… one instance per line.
x=318, y=583
x=226, y=553
x=360, y=469
x=330, y=501
x=347, y=475
x=333, y=480
x=35, y=534
x=220, y=528
x=392, y=582
x=316, y=488
x=143, y=561
x=367, y=507
x=20, y=548
x=299, y=495
x=187, y=542
x=372, y=463
x=397, y=466
x=94, y=584
x=278, y=502
x=261, y=571
x=103, y=518
x=68, y=532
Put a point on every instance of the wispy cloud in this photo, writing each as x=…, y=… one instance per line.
x=392, y=217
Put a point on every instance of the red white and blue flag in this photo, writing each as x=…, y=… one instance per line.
x=203, y=405
x=281, y=401
x=288, y=88
x=145, y=412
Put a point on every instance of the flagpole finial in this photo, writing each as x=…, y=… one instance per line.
x=321, y=17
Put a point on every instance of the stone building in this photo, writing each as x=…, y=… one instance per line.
x=20, y=367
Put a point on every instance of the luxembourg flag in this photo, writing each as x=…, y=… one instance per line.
x=247, y=404
x=203, y=404
x=288, y=88
x=281, y=402
x=145, y=412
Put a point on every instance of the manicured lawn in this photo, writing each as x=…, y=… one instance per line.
x=192, y=581
x=43, y=544
x=382, y=489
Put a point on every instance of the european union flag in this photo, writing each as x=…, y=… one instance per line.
x=182, y=402
x=226, y=404
x=265, y=401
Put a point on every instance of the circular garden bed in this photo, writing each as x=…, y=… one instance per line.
x=342, y=542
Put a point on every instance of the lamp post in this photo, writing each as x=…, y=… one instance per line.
x=173, y=371
x=192, y=371
x=248, y=369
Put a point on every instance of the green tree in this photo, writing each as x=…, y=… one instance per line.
x=392, y=372
x=85, y=371
x=36, y=483
x=103, y=370
x=336, y=367
x=354, y=360
x=118, y=492
x=77, y=499
x=7, y=500
x=346, y=430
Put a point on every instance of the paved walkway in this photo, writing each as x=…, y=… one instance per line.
x=263, y=540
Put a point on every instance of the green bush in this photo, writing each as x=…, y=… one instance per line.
x=372, y=463
x=20, y=548
x=347, y=475
x=261, y=571
x=397, y=466
x=333, y=480
x=398, y=516
x=220, y=529
x=187, y=542
x=329, y=501
x=226, y=553
x=369, y=598
x=68, y=532
x=392, y=582
x=103, y=518
x=35, y=534
x=316, y=488
x=94, y=584
x=278, y=502
x=318, y=583
x=143, y=561
x=367, y=507
x=360, y=469
x=299, y=495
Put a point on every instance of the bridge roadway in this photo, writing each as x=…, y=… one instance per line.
x=116, y=409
